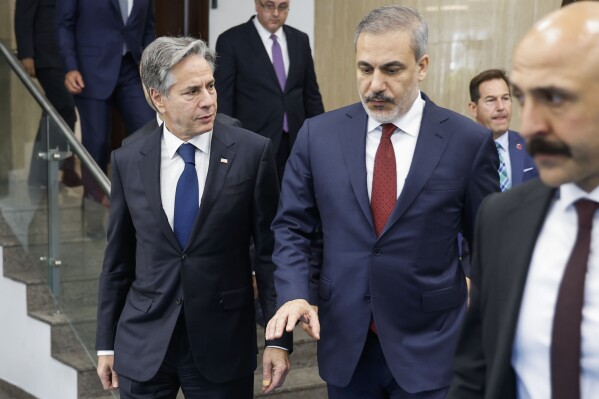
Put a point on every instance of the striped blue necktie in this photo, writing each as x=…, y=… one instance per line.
x=504, y=180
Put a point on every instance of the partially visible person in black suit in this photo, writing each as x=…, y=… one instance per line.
x=38, y=52
x=101, y=44
x=265, y=77
x=531, y=329
x=175, y=304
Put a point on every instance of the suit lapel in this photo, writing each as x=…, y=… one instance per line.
x=293, y=50
x=523, y=223
x=149, y=169
x=117, y=9
x=260, y=51
x=431, y=143
x=516, y=158
x=221, y=159
x=352, y=138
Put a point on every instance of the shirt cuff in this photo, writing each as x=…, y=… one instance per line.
x=105, y=353
x=278, y=347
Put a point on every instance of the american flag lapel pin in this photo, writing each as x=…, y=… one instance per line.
x=519, y=146
x=224, y=160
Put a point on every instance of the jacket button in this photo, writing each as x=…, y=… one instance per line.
x=179, y=301
x=367, y=298
x=377, y=252
x=184, y=258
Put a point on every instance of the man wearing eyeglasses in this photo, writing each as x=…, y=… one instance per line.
x=491, y=106
x=265, y=77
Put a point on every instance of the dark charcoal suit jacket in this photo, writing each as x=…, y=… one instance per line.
x=506, y=232
x=147, y=276
x=248, y=88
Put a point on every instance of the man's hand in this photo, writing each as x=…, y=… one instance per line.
x=73, y=81
x=289, y=315
x=109, y=377
x=275, y=366
x=306, y=327
x=29, y=66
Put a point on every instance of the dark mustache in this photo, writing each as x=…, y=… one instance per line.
x=380, y=97
x=538, y=145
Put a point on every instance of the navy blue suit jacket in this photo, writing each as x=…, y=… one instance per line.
x=147, y=276
x=410, y=278
x=91, y=36
x=523, y=166
x=248, y=88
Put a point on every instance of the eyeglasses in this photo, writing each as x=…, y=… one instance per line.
x=283, y=7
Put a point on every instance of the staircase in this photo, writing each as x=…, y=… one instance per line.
x=24, y=239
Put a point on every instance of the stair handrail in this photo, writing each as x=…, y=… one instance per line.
x=86, y=159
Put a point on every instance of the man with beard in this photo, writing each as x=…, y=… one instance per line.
x=392, y=180
x=532, y=326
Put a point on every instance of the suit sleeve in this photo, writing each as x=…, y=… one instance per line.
x=66, y=19
x=312, y=98
x=224, y=75
x=25, y=11
x=266, y=196
x=483, y=181
x=118, y=270
x=470, y=363
x=150, y=27
x=295, y=226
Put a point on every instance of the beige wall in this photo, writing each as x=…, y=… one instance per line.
x=19, y=109
x=465, y=37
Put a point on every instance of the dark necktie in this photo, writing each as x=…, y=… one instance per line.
x=565, y=339
x=186, y=196
x=384, y=185
x=124, y=6
x=277, y=62
x=384, y=180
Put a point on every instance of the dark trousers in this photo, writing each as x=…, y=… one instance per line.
x=52, y=81
x=372, y=379
x=178, y=370
x=95, y=114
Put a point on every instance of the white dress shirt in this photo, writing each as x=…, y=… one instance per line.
x=267, y=41
x=532, y=342
x=171, y=167
x=503, y=140
x=403, y=140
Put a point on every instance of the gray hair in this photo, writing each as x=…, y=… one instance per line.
x=159, y=58
x=396, y=18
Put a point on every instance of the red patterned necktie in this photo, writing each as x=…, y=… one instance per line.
x=565, y=336
x=384, y=185
x=384, y=180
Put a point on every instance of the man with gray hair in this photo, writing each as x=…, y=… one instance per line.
x=392, y=180
x=175, y=304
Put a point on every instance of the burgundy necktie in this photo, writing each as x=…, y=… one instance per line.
x=565, y=339
x=384, y=180
x=384, y=185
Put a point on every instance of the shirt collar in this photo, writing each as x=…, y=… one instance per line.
x=408, y=122
x=503, y=141
x=201, y=141
x=264, y=34
x=569, y=193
